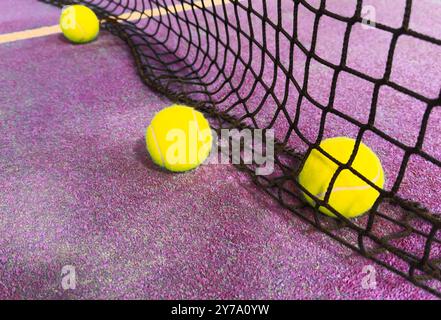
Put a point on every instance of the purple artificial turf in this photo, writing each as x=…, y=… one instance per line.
x=26, y=14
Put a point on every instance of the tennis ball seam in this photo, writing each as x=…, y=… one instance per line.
x=358, y=188
x=157, y=146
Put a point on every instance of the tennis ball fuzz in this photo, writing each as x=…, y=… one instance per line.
x=179, y=138
x=350, y=195
x=79, y=24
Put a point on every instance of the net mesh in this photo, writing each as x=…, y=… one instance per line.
x=310, y=70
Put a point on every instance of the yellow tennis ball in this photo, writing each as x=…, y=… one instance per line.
x=79, y=24
x=179, y=138
x=350, y=195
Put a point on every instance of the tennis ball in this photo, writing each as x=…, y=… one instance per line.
x=79, y=24
x=179, y=138
x=350, y=195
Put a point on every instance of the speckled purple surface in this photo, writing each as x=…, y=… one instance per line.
x=19, y=15
x=77, y=188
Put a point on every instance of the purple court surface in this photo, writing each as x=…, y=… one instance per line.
x=78, y=188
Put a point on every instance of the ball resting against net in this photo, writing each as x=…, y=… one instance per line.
x=350, y=195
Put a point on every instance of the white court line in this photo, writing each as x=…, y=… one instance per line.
x=130, y=16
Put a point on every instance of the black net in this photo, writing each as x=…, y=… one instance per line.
x=295, y=66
